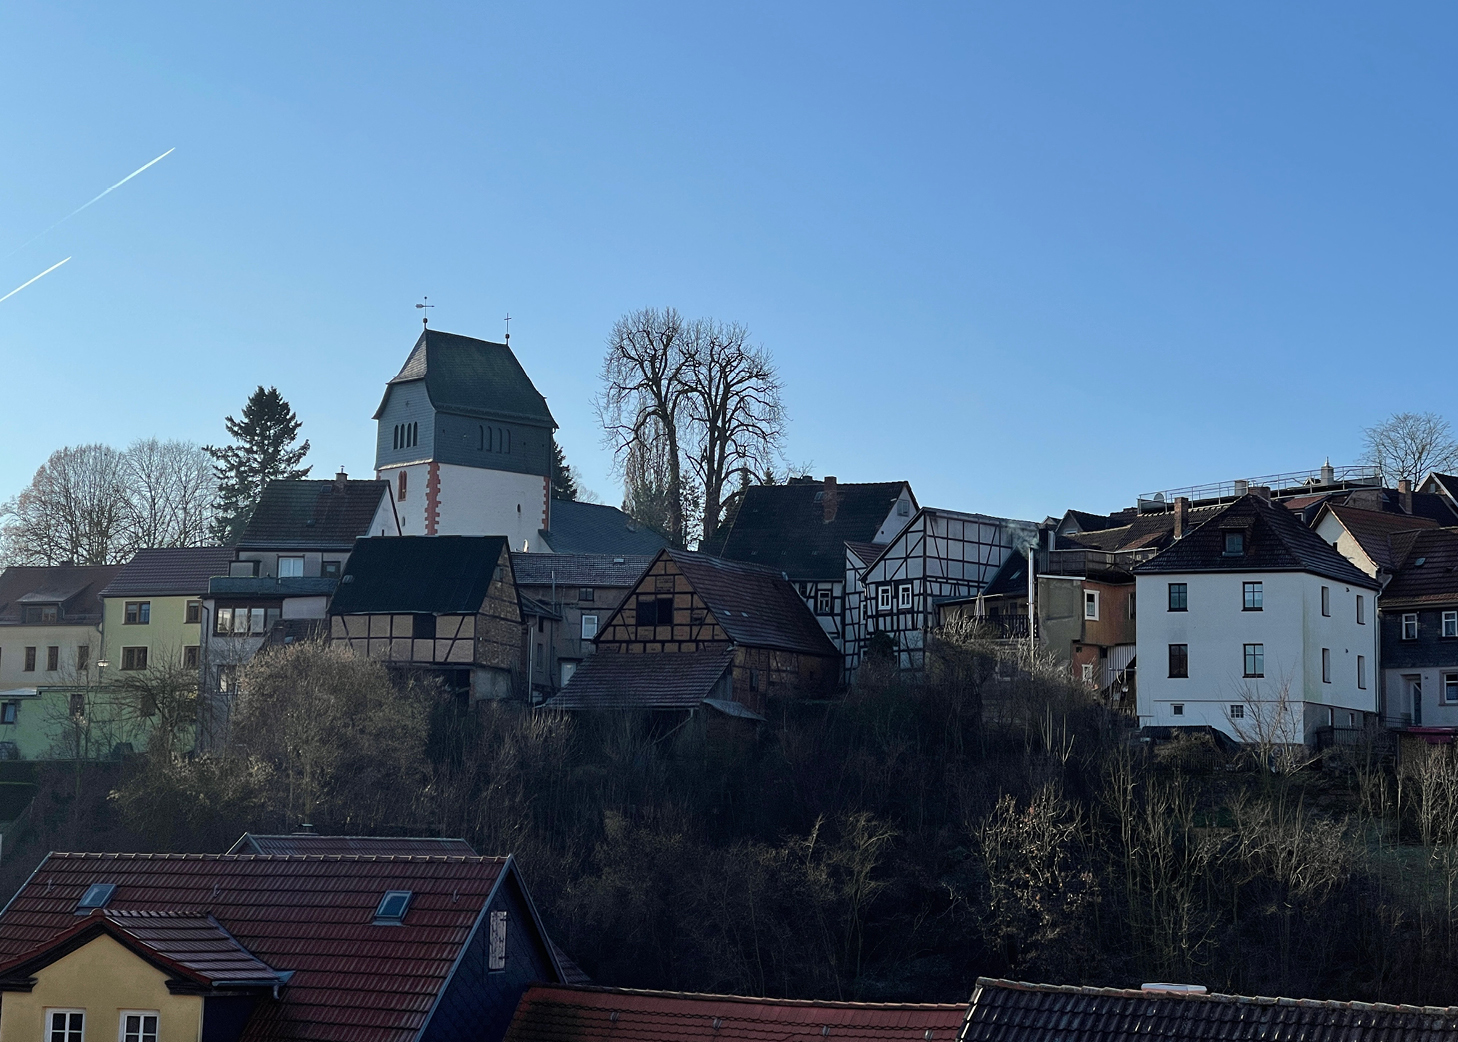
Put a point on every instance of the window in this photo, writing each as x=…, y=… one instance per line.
x=1361, y=672
x=587, y=593
x=97, y=895
x=823, y=602
x=496, y=956
x=589, y=628
x=883, y=598
x=329, y=569
x=392, y=907
x=1255, y=660
x=903, y=597
x=83, y=657
x=78, y=705
x=190, y=657
x=1179, y=597
x=290, y=567
x=1409, y=626
x=422, y=626
x=1237, y=712
x=1131, y=604
x=41, y=613
x=138, y=1026
x=1088, y=672
x=1450, y=687
x=9, y=712
x=480, y=439
x=1255, y=596
x=1234, y=544
x=539, y=664
x=1326, y=665
x=1361, y=610
x=194, y=613
x=400, y=494
x=655, y=611
x=1326, y=601
x=134, y=658
x=1177, y=709
x=139, y=613
x=1091, y=604
x=53, y=659
x=1450, y=623
x=1179, y=660
x=29, y=666
x=66, y=1025
x=568, y=668
x=223, y=621
x=903, y=508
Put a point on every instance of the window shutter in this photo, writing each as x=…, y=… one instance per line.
x=496, y=958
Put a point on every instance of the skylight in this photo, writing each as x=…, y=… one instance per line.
x=392, y=907
x=97, y=895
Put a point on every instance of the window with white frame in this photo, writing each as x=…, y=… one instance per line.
x=290, y=567
x=1409, y=626
x=1177, y=709
x=65, y=1025
x=1450, y=687
x=1326, y=600
x=1091, y=604
x=1088, y=672
x=138, y=1025
x=496, y=957
x=589, y=627
x=883, y=598
x=903, y=597
x=1237, y=711
x=822, y=601
x=1450, y=623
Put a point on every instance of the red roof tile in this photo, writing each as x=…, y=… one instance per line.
x=562, y=1013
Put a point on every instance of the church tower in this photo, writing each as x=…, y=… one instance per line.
x=465, y=440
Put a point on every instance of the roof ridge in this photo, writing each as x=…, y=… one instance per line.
x=140, y=856
x=1207, y=996
x=765, y=1000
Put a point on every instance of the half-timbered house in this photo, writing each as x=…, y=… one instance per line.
x=696, y=628
x=443, y=604
x=940, y=555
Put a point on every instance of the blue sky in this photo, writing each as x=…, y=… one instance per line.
x=1027, y=256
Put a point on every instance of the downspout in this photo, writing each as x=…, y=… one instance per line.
x=1032, y=598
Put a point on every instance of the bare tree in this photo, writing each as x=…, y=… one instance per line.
x=734, y=402
x=75, y=509
x=647, y=483
x=171, y=489
x=1411, y=445
x=643, y=397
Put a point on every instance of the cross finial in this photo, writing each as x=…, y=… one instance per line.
x=508, y=329
x=425, y=319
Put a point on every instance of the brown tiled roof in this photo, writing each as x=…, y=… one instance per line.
x=1008, y=1011
x=352, y=982
x=579, y=569
x=756, y=606
x=77, y=589
x=558, y=1013
x=1373, y=530
x=179, y=572
x=655, y=681
x=1434, y=580
x=308, y=843
x=866, y=552
x=320, y=515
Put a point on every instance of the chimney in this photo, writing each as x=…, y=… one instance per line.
x=1241, y=486
x=1404, y=493
x=340, y=479
x=1182, y=516
x=1261, y=492
x=829, y=500
x=1328, y=475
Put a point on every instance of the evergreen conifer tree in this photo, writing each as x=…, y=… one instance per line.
x=264, y=450
x=564, y=482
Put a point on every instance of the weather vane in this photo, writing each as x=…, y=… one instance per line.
x=425, y=319
x=508, y=329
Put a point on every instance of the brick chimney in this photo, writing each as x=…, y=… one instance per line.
x=1404, y=493
x=1261, y=492
x=829, y=500
x=1182, y=516
x=340, y=479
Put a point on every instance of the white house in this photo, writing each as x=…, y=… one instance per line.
x=1255, y=625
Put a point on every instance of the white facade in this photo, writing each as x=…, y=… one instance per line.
x=1318, y=669
x=1334, y=533
x=449, y=499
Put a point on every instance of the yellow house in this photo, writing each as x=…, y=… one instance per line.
x=134, y=977
x=153, y=615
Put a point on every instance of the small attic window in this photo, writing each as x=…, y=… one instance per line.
x=97, y=896
x=820, y=497
x=392, y=908
x=1234, y=544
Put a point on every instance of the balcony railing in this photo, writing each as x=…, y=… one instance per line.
x=1090, y=562
x=1004, y=627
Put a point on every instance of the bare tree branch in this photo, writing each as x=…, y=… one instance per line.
x=1411, y=445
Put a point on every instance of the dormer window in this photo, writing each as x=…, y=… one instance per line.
x=392, y=908
x=40, y=613
x=97, y=895
x=1234, y=544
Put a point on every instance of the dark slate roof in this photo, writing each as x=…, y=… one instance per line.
x=756, y=606
x=1139, y=532
x=783, y=526
x=1007, y=1011
x=1087, y=522
x=77, y=589
x=191, y=945
x=1433, y=581
x=1276, y=541
x=865, y=552
x=579, y=569
x=318, y=515
x=1011, y=578
x=179, y=572
x=660, y=681
x=594, y=528
x=387, y=846
x=271, y=586
x=471, y=377
x=1373, y=530
x=352, y=981
x=559, y=1013
x=444, y=574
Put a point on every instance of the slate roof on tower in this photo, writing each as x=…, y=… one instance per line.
x=471, y=377
x=444, y=574
x=317, y=514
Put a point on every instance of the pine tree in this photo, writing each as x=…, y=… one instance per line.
x=264, y=450
x=564, y=482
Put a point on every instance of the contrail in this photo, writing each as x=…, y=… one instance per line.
x=83, y=206
x=42, y=275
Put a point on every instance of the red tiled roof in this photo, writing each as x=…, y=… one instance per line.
x=650, y=680
x=561, y=1013
x=353, y=981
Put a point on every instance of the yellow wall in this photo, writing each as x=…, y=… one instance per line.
x=164, y=637
x=15, y=639
x=103, y=978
